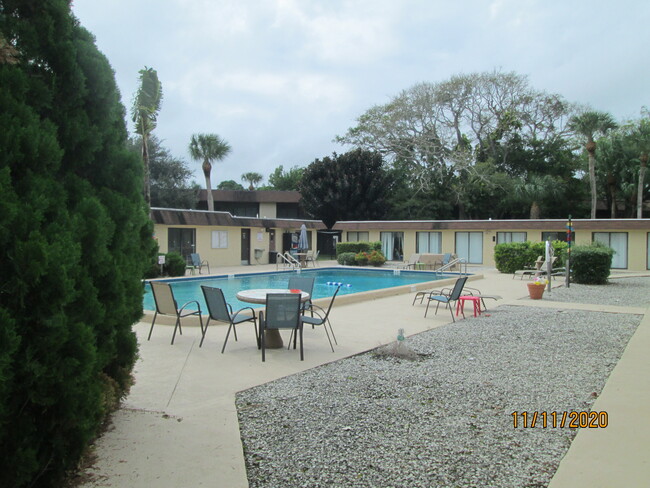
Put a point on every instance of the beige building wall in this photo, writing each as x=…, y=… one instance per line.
x=260, y=239
x=268, y=210
x=638, y=245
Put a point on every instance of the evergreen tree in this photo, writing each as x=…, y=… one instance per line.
x=350, y=186
x=74, y=238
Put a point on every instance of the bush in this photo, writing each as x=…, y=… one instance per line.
x=153, y=271
x=590, y=265
x=346, y=259
x=357, y=247
x=511, y=256
x=376, y=258
x=361, y=259
x=174, y=264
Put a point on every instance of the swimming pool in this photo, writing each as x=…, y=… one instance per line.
x=354, y=280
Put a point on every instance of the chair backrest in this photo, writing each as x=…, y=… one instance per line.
x=282, y=311
x=446, y=258
x=304, y=283
x=458, y=288
x=216, y=302
x=414, y=259
x=196, y=259
x=316, y=254
x=332, y=302
x=163, y=296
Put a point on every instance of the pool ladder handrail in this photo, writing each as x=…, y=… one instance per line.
x=461, y=262
x=287, y=260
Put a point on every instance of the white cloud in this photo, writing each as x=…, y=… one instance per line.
x=280, y=78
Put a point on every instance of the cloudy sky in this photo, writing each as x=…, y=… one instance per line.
x=279, y=79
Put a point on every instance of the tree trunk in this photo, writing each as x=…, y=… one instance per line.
x=207, y=169
x=612, y=189
x=535, y=211
x=639, y=194
x=145, y=160
x=592, y=181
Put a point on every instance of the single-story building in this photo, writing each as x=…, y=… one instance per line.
x=474, y=240
x=224, y=240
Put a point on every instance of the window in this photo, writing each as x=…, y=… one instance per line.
x=358, y=236
x=392, y=245
x=428, y=242
x=469, y=245
x=288, y=211
x=618, y=242
x=219, y=239
x=557, y=236
x=182, y=241
x=510, y=237
x=239, y=209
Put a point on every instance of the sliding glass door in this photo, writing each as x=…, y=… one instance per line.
x=392, y=245
x=469, y=245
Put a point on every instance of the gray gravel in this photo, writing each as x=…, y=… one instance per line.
x=443, y=419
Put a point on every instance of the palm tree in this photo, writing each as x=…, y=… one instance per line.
x=208, y=148
x=587, y=125
x=642, y=134
x=536, y=189
x=144, y=112
x=253, y=179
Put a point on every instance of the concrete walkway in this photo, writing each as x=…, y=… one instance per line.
x=178, y=427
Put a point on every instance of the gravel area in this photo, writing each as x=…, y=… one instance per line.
x=632, y=292
x=440, y=415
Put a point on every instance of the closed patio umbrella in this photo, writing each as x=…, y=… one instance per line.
x=303, y=244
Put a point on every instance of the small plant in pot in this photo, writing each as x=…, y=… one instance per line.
x=536, y=288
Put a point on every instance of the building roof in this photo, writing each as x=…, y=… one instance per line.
x=173, y=216
x=558, y=225
x=256, y=196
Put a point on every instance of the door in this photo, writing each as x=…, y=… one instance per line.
x=182, y=241
x=245, y=246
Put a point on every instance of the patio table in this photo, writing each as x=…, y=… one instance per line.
x=258, y=295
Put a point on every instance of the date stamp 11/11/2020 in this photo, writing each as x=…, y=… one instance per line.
x=572, y=420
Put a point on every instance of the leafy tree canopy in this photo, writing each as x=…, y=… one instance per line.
x=171, y=178
x=229, y=185
x=350, y=186
x=288, y=180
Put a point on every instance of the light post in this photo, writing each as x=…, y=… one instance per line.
x=569, y=230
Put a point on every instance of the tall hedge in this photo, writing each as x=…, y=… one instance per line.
x=591, y=265
x=512, y=256
x=74, y=241
x=357, y=247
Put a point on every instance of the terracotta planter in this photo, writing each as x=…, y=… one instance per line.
x=536, y=291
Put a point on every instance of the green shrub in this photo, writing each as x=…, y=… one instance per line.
x=376, y=258
x=590, y=265
x=174, y=264
x=346, y=259
x=511, y=256
x=361, y=258
x=357, y=247
x=153, y=271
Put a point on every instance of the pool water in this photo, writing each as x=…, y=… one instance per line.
x=352, y=280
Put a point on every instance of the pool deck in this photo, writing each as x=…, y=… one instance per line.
x=179, y=427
